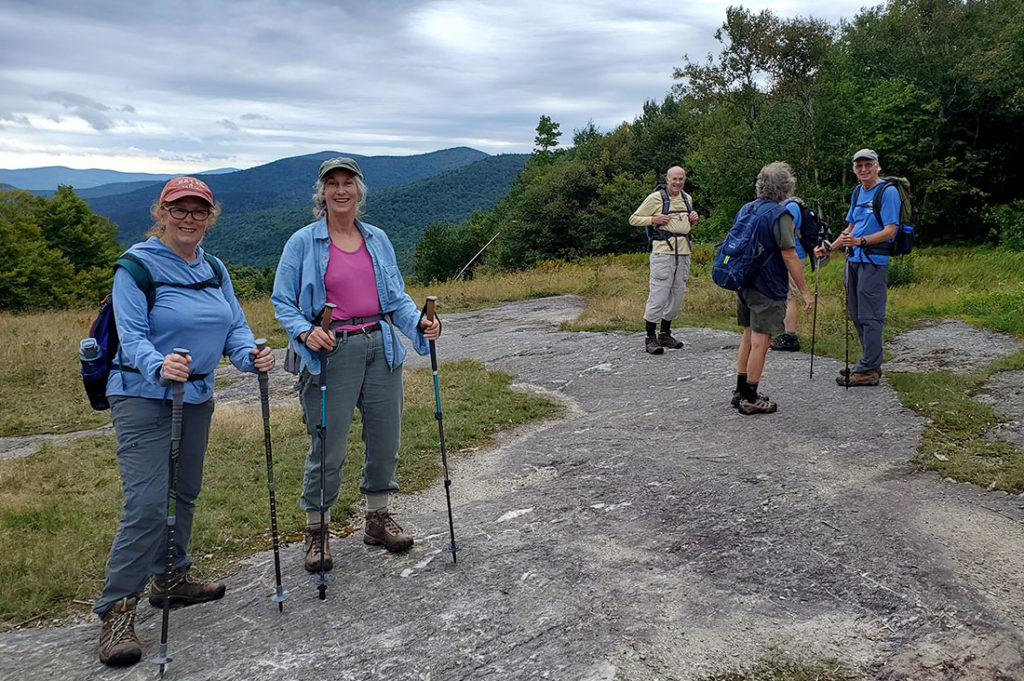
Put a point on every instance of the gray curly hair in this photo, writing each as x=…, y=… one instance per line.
x=320, y=203
x=775, y=182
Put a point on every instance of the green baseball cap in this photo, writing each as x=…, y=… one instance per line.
x=340, y=163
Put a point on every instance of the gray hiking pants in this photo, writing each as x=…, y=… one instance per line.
x=139, y=550
x=866, y=297
x=667, y=286
x=357, y=376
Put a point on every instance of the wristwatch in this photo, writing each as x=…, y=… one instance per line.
x=863, y=242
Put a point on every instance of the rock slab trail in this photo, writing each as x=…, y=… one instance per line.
x=651, y=532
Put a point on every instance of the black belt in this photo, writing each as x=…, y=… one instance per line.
x=354, y=332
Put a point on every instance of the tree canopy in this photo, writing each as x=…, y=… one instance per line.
x=56, y=252
x=934, y=86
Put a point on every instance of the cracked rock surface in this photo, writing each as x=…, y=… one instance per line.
x=650, y=532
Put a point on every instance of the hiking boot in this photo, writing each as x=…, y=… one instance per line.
x=857, y=378
x=653, y=347
x=381, y=529
x=666, y=340
x=786, y=342
x=762, y=405
x=846, y=372
x=119, y=646
x=182, y=590
x=313, y=562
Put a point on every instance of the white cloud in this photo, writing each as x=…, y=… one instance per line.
x=251, y=81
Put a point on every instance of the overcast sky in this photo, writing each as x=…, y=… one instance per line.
x=179, y=86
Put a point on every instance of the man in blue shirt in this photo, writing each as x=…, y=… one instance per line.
x=867, y=264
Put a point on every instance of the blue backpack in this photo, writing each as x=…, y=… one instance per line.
x=99, y=352
x=740, y=258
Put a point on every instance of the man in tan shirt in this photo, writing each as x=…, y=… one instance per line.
x=670, y=256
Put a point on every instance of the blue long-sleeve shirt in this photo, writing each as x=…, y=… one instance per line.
x=300, y=294
x=209, y=322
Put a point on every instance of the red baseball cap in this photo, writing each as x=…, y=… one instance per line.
x=180, y=187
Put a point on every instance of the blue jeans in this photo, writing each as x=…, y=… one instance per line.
x=139, y=550
x=866, y=297
x=357, y=376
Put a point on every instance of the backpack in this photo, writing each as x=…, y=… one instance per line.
x=657, y=233
x=99, y=351
x=813, y=230
x=903, y=242
x=740, y=258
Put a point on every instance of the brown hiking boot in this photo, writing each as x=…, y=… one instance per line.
x=182, y=590
x=652, y=346
x=381, y=529
x=857, y=378
x=119, y=646
x=666, y=340
x=313, y=562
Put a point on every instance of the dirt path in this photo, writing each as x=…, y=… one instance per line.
x=652, y=533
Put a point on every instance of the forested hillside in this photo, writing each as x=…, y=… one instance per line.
x=255, y=238
x=274, y=189
x=935, y=86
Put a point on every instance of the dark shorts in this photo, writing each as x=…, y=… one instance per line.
x=759, y=312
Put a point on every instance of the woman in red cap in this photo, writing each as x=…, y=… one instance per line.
x=189, y=303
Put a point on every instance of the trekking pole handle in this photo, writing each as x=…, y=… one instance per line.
x=325, y=322
x=428, y=308
x=178, y=396
x=261, y=376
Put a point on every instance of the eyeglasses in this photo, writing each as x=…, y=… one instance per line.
x=178, y=213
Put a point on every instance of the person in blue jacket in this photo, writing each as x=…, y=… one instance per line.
x=342, y=260
x=188, y=311
x=867, y=265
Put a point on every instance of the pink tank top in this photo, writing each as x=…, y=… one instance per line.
x=351, y=285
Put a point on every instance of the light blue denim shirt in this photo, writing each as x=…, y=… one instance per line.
x=209, y=322
x=300, y=294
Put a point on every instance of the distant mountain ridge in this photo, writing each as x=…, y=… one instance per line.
x=264, y=205
x=48, y=178
x=256, y=238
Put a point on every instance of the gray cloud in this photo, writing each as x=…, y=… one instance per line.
x=400, y=77
x=87, y=109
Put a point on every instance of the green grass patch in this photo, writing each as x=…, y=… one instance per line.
x=60, y=507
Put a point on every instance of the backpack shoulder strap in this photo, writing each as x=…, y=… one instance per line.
x=876, y=202
x=140, y=273
x=218, y=273
x=665, y=200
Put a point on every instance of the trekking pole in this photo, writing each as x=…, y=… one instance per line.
x=177, y=400
x=321, y=576
x=846, y=297
x=281, y=594
x=453, y=546
x=814, y=316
